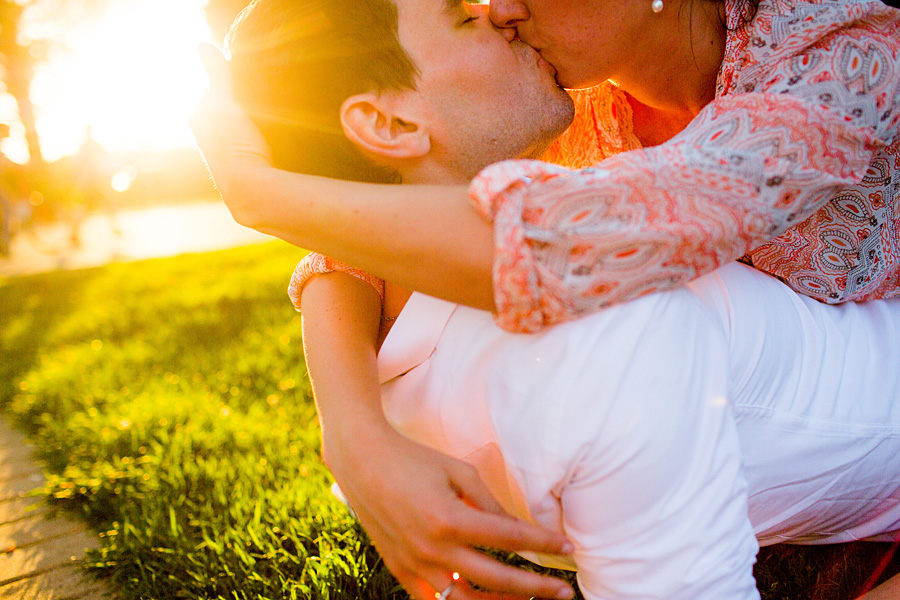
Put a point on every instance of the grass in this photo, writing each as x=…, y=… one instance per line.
x=170, y=401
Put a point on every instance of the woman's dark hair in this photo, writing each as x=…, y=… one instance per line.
x=294, y=62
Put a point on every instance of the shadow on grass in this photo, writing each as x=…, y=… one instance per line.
x=832, y=572
x=31, y=307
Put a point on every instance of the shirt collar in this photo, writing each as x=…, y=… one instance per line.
x=414, y=335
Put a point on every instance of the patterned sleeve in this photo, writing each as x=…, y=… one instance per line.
x=808, y=97
x=317, y=264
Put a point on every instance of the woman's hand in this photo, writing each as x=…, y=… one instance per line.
x=426, y=513
x=232, y=145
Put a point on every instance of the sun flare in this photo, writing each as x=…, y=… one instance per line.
x=132, y=75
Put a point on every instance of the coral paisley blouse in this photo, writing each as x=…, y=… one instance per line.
x=795, y=166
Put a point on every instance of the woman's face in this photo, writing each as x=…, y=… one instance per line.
x=588, y=41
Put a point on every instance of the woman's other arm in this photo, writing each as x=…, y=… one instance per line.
x=424, y=511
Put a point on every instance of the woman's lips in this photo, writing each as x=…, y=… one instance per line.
x=546, y=66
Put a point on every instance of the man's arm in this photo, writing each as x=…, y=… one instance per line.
x=424, y=511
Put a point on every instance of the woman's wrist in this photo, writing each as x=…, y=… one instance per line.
x=240, y=191
x=347, y=443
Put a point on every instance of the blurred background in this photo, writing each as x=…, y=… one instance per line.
x=95, y=148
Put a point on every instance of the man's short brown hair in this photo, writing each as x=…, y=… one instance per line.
x=294, y=62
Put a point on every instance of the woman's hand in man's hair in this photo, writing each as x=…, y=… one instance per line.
x=232, y=145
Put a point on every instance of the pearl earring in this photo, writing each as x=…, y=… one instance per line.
x=657, y=6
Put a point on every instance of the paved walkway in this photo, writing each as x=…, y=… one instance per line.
x=40, y=554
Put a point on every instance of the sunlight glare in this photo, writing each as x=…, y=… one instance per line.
x=123, y=178
x=133, y=75
x=14, y=146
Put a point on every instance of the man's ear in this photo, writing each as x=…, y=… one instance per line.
x=377, y=124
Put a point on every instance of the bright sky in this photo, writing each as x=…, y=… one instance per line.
x=132, y=74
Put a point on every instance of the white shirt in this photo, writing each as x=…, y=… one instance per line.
x=643, y=430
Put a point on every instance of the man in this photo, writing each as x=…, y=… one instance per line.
x=677, y=523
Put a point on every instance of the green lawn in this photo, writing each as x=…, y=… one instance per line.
x=170, y=400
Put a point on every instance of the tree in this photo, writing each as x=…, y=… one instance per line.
x=17, y=60
x=19, y=54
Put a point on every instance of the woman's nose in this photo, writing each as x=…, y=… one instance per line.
x=508, y=13
x=481, y=10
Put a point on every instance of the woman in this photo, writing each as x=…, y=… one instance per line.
x=785, y=114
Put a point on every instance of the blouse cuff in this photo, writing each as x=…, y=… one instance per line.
x=495, y=183
x=499, y=193
x=317, y=264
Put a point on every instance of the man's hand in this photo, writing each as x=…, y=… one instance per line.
x=427, y=512
x=230, y=142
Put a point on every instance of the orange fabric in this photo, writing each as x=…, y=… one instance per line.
x=317, y=264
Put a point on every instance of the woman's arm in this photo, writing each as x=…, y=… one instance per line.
x=406, y=234
x=424, y=511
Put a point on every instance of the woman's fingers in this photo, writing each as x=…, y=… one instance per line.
x=464, y=591
x=219, y=118
x=483, y=522
x=229, y=140
x=447, y=546
x=438, y=547
x=438, y=581
x=426, y=513
x=492, y=575
x=461, y=529
x=496, y=580
x=217, y=70
x=501, y=532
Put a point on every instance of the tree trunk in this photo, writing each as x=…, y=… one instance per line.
x=18, y=65
x=17, y=83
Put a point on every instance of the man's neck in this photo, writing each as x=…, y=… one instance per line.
x=439, y=168
x=431, y=172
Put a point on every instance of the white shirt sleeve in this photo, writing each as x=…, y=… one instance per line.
x=655, y=499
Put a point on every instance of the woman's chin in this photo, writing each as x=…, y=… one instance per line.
x=574, y=80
